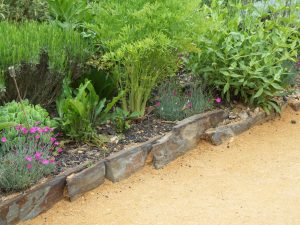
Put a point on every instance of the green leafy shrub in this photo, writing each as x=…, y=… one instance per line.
x=24, y=113
x=141, y=41
x=28, y=157
x=81, y=110
x=41, y=54
x=70, y=13
x=122, y=119
x=174, y=104
x=20, y=10
x=244, y=55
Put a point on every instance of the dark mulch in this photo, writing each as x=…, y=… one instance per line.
x=140, y=131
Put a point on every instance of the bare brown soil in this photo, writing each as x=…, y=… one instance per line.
x=253, y=179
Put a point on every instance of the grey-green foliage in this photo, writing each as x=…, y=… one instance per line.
x=243, y=55
x=141, y=41
x=17, y=173
x=20, y=10
x=175, y=104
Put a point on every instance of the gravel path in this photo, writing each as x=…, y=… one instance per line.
x=253, y=179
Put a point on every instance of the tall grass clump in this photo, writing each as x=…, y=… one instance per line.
x=41, y=53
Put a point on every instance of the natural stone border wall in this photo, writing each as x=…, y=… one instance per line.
x=161, y=150
x=36, y=200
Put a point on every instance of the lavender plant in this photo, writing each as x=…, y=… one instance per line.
x=28, y=157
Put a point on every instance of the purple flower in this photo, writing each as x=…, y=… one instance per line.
x=218, y=100
x=28, y=158
x=38, y=155
x=3, y=139
x=37, y=137
x=56, y=143
x=52, y=139
x=45, y=161
x=29, y=166
x=60, y=150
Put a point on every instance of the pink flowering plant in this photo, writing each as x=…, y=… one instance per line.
x=28, y=158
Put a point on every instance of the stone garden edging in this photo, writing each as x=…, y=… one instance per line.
x=71, y=184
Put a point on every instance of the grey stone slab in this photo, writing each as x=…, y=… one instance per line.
x=124, y=163
x=84, y=181
x=184, y=136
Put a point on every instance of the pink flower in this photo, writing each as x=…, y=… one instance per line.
x=3, y=139
x=28, y=158
x=18, y=127
x=52, y=139
x=60, y=150
x=37, y=137
x=56, y=143
x=189, y=105
x=298, y=64
x=29, y=166
x=45, y=161
x=38, y=155
x=52, y=160
x=218, y=100
x=24, y=130
x=33, y=130
x=157, y=104
x=40, y=130
x=47, y=129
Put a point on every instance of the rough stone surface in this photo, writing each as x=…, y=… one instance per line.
x=184, y=136
x=222, y=133
x=295, y=104
x=84, y=181
x=36, y=200
x=122, y=164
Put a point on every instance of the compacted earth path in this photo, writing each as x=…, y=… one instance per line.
x=253, y=179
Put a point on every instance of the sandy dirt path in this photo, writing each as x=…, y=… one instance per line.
x=254, y=179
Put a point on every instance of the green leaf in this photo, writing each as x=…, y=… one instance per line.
x=259, y=92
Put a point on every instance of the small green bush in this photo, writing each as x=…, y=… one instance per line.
x=26, y=114
x=28, y=157
x=81, y=110
x=243, y=54
x=20, y=10
x=141, y=41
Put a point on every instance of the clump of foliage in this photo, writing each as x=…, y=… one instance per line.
x=21, y=10
x=141, y=41
x=42, y=54
x=121, y=119
x=24, y=113
x=26, y=158
x=70, y=13
x=244, y=52
x=81, y=110
x=175, y=104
